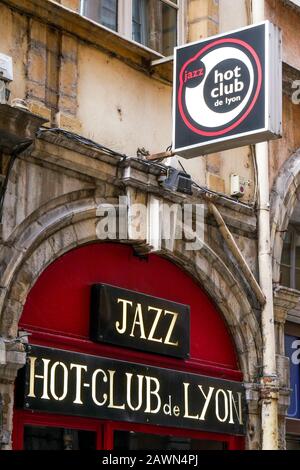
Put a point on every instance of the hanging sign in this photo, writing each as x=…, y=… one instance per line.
x=227, y=91
x=133, y=320
x=77, y=384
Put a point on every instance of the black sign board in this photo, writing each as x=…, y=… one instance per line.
x=65, y=382
x=227, y=91
x=130, y=319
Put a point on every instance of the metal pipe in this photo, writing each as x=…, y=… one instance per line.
x=269, y=380
x=230, y=241
x=258, y=11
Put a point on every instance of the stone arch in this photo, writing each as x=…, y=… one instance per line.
x=70, y=221
x=284, y=196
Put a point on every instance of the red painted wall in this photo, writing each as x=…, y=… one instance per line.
x=57, y=308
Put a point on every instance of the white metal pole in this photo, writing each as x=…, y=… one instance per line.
x=269, y=390
x=258, y=11
x=269, y=382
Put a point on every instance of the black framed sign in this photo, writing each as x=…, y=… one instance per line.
x=130, y=319
x=228, y=91
x=70, y=383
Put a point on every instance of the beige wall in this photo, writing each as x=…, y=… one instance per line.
x=282, y=149
x=120, y=107
x=234, y=14
x=104, y=99
x=78, y=87
x=14, y=42
x=72, y=4
x=98, y=96
x=289, y=21
x=203, y=19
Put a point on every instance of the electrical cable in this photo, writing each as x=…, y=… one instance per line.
x=205, y=190
x=14, y=154
x=82, y=140
x=182, y=167
x=164, y=168
x=85, y=141
x=90, y=143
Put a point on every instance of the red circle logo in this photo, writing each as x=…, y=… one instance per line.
x=239, y=96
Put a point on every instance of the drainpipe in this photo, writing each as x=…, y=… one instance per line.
x=269, y=380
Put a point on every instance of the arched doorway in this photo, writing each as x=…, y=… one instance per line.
x=57, y=316
x=285, y=216
x=290, y=278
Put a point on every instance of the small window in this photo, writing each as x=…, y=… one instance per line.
x=54, y=438
x=130, y=440
x=104, y=12
x=140, y=19
x=152, y=23
x=290, y=259
x=292, y=442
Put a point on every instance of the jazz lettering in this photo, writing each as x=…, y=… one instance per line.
x=132, y=322
x=131, y=319
x=194, y=74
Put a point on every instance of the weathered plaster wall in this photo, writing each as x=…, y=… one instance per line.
x=64, y=219
x=31, y=185
x=79, y=88
x=282, y=149
x=121, y=108
x=233, y=14
x=288, y=20
x=14, y=42
x=54, y=190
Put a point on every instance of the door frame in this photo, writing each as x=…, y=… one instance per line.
x=105, y=429
x=232, y=442
x=23, y=417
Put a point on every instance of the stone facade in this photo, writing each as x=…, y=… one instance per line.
x=98, y=89
x=65, y=217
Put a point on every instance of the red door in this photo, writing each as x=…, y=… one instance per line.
x=56, y=314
